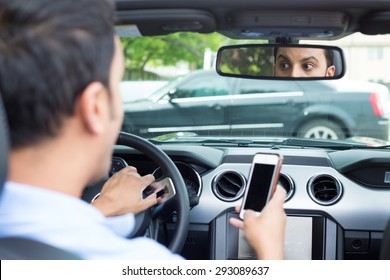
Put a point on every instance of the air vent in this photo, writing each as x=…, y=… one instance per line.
x=228, y=185
x=288, y=184
x=324, y=189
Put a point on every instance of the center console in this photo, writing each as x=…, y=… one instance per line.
x=307, y=237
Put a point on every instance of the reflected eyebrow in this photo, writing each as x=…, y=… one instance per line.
x=283, y=57
x=302, y=60
x=309, y=58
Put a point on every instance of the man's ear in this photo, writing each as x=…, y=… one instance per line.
x=330, y=71
x=93, y=107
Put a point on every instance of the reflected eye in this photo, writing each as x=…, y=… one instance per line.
x=284, y=65
x=307, y=66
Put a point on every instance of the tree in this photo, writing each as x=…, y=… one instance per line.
x=167, y=50
x=248, y=61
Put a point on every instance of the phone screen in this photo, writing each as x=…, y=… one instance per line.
x=259, y=186
x=164, y=189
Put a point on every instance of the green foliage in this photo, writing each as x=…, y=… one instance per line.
x=247, y=61
x=167, y=50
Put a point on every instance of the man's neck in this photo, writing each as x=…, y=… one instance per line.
x=49, y=165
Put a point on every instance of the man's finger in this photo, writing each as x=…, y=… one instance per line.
x=129, y=169
x=236, y=223
x=150, y=200
x=279, y=195
x=250, y=215
x=147, y=180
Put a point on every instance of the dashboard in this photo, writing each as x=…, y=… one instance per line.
x=337, y=202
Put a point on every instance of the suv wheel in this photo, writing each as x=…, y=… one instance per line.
x=321, y=129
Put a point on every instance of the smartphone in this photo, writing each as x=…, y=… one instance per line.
x=164, y=189
x=263, y=179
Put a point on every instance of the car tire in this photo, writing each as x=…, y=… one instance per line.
x=321, y=129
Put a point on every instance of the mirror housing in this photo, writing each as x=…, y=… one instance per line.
x=281, y=62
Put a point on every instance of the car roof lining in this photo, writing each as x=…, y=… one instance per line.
x=160, y=17
x=165, y=21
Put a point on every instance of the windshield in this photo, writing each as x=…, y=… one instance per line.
x=173, y=93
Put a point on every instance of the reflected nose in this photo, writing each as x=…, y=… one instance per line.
x=295, y=72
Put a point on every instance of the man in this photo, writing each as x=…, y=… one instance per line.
x=60, y=70
x=60, y=73
x=303, y=62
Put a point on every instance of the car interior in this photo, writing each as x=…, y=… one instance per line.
x=338, y=192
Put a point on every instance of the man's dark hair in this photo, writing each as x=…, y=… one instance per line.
x=50, y=50
x=329, y=55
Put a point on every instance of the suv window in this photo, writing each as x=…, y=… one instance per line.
x=264, y=86
x=203, y=86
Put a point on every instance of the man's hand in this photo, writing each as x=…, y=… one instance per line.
x=265, y=233
x=122, y=193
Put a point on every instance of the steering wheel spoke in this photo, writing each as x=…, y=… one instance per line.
x=180, y=201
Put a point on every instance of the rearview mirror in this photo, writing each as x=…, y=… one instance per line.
x=279, y=61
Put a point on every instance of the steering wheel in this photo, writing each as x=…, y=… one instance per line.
x=180, y=201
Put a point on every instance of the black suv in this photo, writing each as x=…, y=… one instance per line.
x=208, y=104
